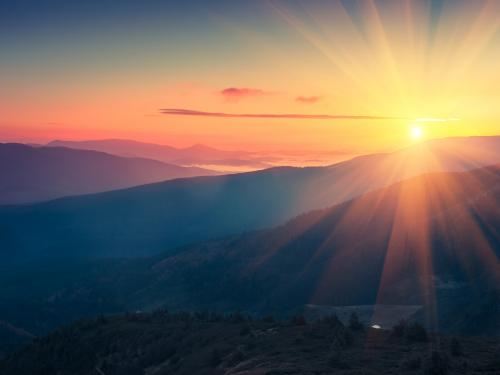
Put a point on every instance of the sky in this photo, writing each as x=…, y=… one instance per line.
x=355, y=76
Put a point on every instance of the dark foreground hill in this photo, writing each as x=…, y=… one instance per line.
x=31, y=174
x=154, y=218
x=162, y=343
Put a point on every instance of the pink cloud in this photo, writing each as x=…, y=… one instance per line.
x=308, y=99
x=237, y=93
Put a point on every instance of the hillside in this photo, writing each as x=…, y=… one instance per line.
x=431, y=241
x=163, y=343
x=193, y=155
x=30, y=174
x=156, y=217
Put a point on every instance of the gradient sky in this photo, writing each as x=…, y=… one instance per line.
x=263, y=75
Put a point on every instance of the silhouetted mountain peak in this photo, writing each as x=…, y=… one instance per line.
x=42, y=173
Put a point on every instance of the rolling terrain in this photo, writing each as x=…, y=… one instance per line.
x=417, y=242
x=30, y=174
x=166, y=343
x=193, y=155
x=430, y=241
x=153, y=218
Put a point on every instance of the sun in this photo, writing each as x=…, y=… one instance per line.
x=416, y=133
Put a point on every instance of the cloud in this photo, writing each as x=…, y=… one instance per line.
x=237, y=93
x=295, y=116
x=436, y=119
x=308, y=99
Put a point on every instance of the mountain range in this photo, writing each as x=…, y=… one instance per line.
x=30, y=174
x=194, y=155
x=431, y=241
x=149, y=219
x=418, y=227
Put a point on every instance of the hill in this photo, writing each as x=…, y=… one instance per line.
x=30, y=174
x=432, y=241
x=194, y=155
x=156, y=217
x=163, y=343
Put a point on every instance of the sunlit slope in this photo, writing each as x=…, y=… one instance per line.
x=152, y=218
x=433, y=240
x=395, y=245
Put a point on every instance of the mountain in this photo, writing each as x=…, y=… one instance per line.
x=431, y=243
x=153, y=218
x=194, y=155
x=12, y=337
x=426, y=240
x=30, y=174
x=166, y=343
x=386, y=247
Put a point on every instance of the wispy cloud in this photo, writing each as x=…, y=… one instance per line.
x=308, y=99
x=436, y=119
x=295, y=116
x=237, y=93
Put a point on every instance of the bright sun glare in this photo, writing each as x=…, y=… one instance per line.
x=416, y=133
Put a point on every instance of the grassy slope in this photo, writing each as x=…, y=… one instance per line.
x=163, y=343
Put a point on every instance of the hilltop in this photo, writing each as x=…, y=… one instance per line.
x=203, y=343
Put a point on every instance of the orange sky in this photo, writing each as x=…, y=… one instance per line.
x=403, y=61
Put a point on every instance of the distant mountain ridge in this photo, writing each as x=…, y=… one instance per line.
x=152, y=218
x=197, y=154
x=30, y=174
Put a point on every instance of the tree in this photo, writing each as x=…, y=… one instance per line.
x=299, y=320
x=354, y=323
x=437, y=364
x=415, y=332
x=456, y=348
x=215, y=358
